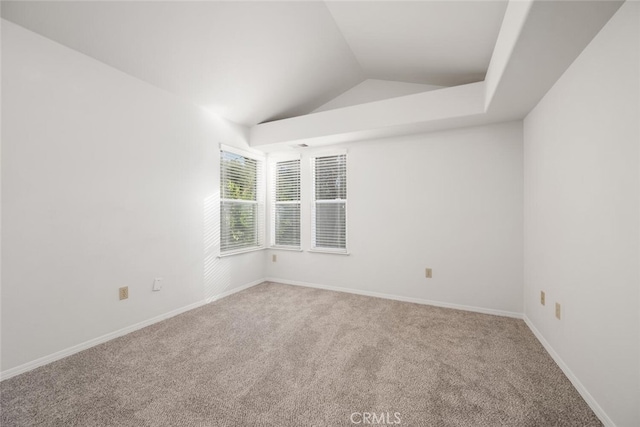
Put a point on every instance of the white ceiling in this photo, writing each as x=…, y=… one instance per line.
x=252, y=62
x=538, y=41
x=445, y=43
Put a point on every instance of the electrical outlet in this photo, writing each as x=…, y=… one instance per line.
x=157, y=284
x=274, y=258
x=558, y=312
x=124, y=292
x=542, y=297
x=428, y=273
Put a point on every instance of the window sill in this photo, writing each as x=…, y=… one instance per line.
x=329, y=251
x=241, y=251
x=285, y=248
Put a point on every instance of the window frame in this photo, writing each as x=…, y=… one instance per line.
x=314, y=202
x=259, y=201
x=273, y=174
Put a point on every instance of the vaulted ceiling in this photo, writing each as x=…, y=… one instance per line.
x=254, y=62
x=321, y=72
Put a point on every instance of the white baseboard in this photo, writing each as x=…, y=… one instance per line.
x=597, y=409
x=115, y=334
x=400, y=298
x=234, y=291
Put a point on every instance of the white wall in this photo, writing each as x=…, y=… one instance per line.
x=582, y=217
x=451, y=201
x=106, y=182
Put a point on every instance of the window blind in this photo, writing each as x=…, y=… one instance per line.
x=285, y=213
x=241, y=202
x=329, y=213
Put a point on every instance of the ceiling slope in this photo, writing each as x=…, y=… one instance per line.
x=374, y=90
x=259, y=61
x=553, y=35
x=267, y=65
x=542, y=39
x=249, y=62
x=444, y=43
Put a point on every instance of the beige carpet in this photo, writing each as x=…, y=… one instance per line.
x=278, y=355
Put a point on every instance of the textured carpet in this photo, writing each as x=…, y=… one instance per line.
x=278, y=355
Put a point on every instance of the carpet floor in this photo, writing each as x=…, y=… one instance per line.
x=279, y=355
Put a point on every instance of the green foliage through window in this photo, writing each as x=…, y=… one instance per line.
x=239, y=207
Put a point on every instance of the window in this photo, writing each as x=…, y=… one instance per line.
x=285, y=194
x=329, y=212
x=241, y=201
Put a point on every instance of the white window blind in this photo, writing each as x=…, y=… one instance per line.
x=285, y=196
x=241, y=201
x=329, y=211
